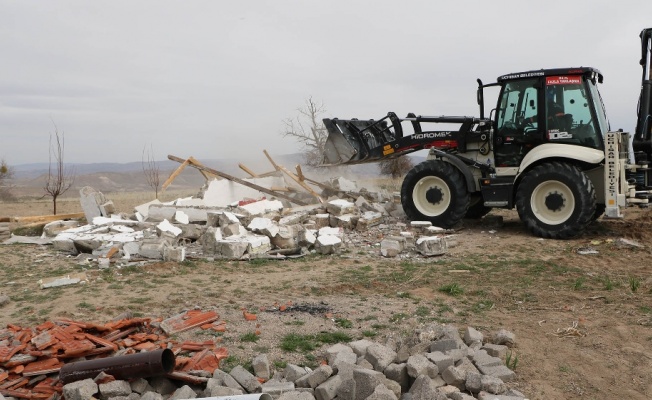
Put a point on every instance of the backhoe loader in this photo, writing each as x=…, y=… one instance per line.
x=546, y=149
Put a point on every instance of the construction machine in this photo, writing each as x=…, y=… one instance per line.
x=546, y=149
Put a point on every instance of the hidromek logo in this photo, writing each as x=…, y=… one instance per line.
x=431, y=135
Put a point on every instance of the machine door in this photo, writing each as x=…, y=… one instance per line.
x=518, y=125
x=570, y=112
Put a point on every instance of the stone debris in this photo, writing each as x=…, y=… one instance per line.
x=215, y=226
x=359, y=370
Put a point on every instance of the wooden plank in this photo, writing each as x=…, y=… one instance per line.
x=174, y=174
x=276, y=167
x=242, y=182
x=247, y=170
x=207, y=175
x=301, y=183
x=47, y=218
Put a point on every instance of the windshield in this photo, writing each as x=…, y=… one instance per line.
x=570, y=109
x=601, y=112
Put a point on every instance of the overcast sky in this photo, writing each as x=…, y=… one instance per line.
x=216, y=79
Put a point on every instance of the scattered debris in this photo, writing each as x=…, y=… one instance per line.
x=70, y=279
x=232, y=218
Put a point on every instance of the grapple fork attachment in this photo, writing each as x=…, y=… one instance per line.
x=350, y=141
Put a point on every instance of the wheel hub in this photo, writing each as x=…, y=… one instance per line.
x=554, y=201
x=434, y=195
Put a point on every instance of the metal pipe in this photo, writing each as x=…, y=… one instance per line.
x=140, y=365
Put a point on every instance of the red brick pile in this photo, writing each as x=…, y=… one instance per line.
x=29, y=356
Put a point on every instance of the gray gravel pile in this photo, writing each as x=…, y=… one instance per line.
x=435, y=363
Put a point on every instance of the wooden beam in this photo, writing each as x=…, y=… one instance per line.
x=174, y=174
x=276, y=167
x=207, y=175
x=301, y=183
x=240, y=181
x=247, y=170
x=46, y=218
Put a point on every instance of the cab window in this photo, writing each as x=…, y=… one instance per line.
x=569, y=112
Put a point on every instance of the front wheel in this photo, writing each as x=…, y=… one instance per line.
x=556, y=200
x=435, y=191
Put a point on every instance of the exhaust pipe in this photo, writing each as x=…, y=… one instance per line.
x=141, y=365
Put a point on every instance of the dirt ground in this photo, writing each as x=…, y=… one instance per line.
x=581, y=309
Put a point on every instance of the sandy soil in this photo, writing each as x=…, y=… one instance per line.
x=581, y=309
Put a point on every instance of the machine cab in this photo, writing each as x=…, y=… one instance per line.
x=548, y=106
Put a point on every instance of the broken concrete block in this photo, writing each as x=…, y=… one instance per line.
x=495, y=350
x=472, y=335
x=293, y=372
x=222, y=192
x=245, y=379
x=341, y=207
x=366, y=381
x=319, y=376
x=328, y=244
x=328, y=389
x=307, y=238
x=183, y=393
x=64, y=244
x=294, y=219
x=418, y=364
x=369, y=219
x=114, y=388
x=392, y=246
x=91, y=200
x=425, y=388
x=259, y=208
x=70, y=279
x=181, y=217
x=53, y=228
x=275, y=388
x=431, y=246
x=231, y=229
x=174, y=253
x=504, y=337
x=107, y=208
x=264, y=226
x=380, y=356
x=287, y=237
x=210, y=239
x=143, y=209
x=322, y=220
x=153, y=248
x=346, y=221
x=257, y=244
x=261, y=366
x=80, y=390
x=227, y=218
x=232, y=249
x=166, y=228
x=130, y=249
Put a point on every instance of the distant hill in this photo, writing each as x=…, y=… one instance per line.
x=118, y=177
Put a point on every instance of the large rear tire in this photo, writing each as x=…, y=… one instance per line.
x=556, y=200
x=435, y=191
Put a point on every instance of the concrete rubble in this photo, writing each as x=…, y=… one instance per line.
x=433, y=362
x=219, y=225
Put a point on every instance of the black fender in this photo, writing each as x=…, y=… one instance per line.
x=464, y=168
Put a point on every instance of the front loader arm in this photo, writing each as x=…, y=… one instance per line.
x=362, y=141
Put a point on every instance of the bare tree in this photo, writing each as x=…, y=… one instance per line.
x=308, y=128
x=6, y=174
x=396, y=167
x=59, y=178
x=151, y=169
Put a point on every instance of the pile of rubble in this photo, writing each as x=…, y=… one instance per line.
x=435, y=362
x=214, y=225
x=29, y=356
